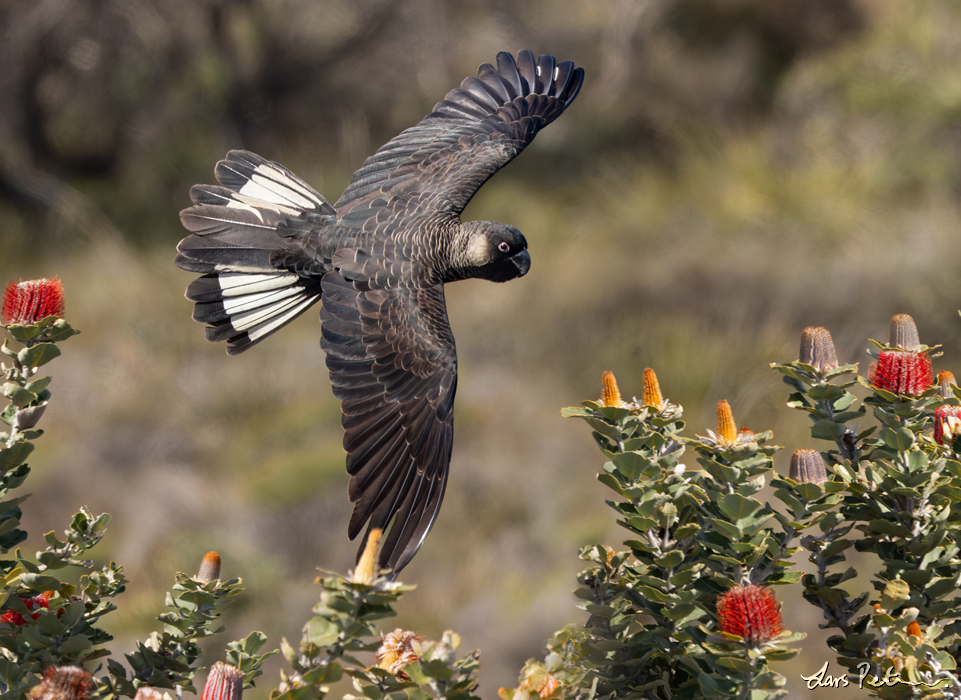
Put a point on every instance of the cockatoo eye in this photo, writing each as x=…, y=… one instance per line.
x=503, y=247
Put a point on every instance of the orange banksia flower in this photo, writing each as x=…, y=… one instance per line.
x=27, y=303
x=396, y=651
x=903, y=333
x=63, y=683
x=914, y=630
x=652, y=391
x=807, y=467
x=610, y=395
x=17, y=619
x=225, y=682
x=366, y=570
x=947, y=424
x=946, y=380
x=749, y=612
x=903, y=372
x=726, y=429
x=209, y=568
x=817, y=349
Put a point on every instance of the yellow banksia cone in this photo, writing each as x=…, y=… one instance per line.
x=610, y=396
x=652, y=390
x=209, y=568
x=726, y=429
x=366, y=569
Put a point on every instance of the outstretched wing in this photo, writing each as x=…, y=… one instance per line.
x=393, y=365
x=476, y=130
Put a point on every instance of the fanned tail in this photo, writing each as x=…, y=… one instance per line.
x=247, y=241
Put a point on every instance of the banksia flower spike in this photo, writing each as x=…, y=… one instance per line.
x=817, y=349
x=13, y=617
x=945, y=383
x=145, y=692
x=726, y=429
x=28, y=303
x=807, y=467
x=610, y=395
x=947, y=424
x=397, y=651
x=902, y=372
x=914, y=630
x=209, y=568
x=366, y=570
x=726, y=434
x=751, y=613
x=225, y=682
x=652, y=391
x=903, y=333
x=63, y=683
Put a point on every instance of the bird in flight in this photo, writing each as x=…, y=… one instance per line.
x=268, y=247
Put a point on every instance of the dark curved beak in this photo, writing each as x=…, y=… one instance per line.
x=523, y=262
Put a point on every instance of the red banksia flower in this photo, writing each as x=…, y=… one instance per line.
x=817, y=349
x=902, y=372
x=63, y=683
x=209, y=568
x=947, y=424
x=225, y=682
x=27, y=303
x=807, y=467
x=16, y=618
x=749, y=612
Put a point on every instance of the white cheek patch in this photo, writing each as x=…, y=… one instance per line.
x=479, y=250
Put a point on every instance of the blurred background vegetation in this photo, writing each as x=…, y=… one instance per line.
x=732, y=172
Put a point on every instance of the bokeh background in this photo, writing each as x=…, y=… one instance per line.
x=732, y=172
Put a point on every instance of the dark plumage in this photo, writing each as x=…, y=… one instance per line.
x=268, y=247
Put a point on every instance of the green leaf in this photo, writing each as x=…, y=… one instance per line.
x=18, y=396
x=900, y=440
x=894, y=594
x=39, y=354
x=14, y=456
